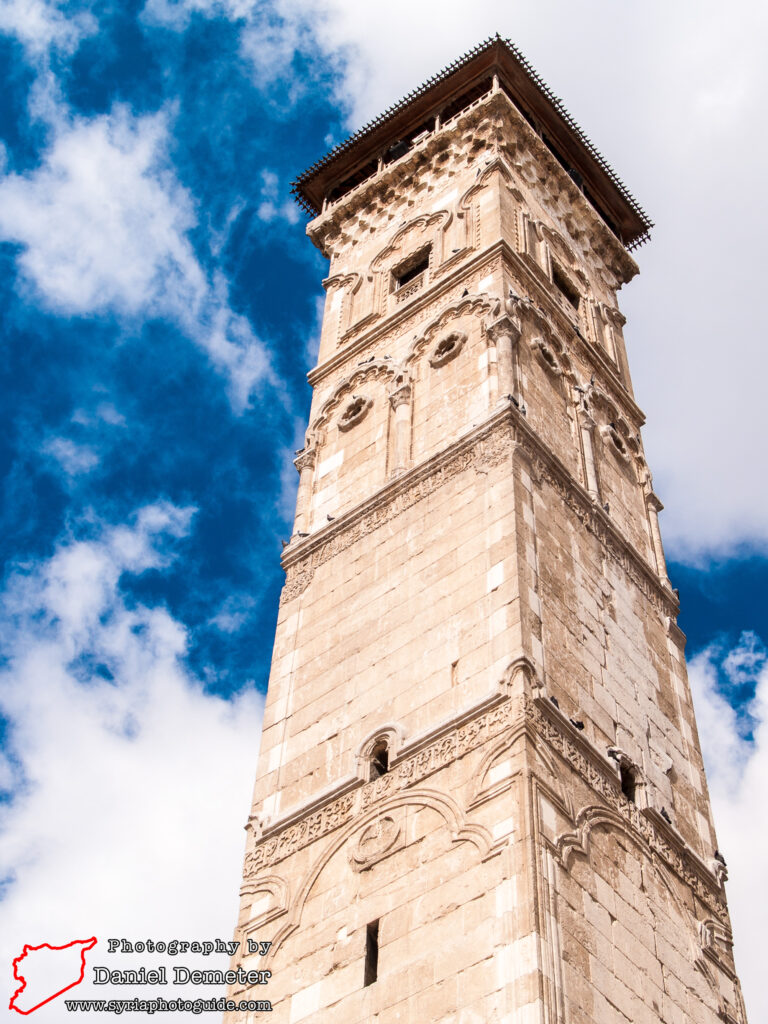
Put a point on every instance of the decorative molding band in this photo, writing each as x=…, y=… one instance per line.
x=561, y=324
x=474, y=728
x=665, y=841
x=486, y=118
x=489, y=444
x=399, y=747
x=406, y=772
x=540, y=290
x=484, y=446
x=589, y=513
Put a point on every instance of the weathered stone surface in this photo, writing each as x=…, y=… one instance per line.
x=476, y=585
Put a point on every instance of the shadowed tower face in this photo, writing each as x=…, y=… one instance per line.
x=480, y=795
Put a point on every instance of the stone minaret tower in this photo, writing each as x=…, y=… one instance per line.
x=480, y=794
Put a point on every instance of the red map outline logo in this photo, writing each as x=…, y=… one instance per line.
x=85, y=943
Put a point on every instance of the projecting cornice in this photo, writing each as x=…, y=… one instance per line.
x=375, y=336
x=495, y=64
x=491, y=443
x=345, y=808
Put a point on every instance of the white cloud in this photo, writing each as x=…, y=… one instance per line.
x=109, y=414
x=177, y=13
x=103, y=222
x=671, y=95
x=270, y=208
x=737, y=767
x=270, y=32
x=233, y=613
x=73, y=458
x=105, y=412
x=41, y=26
x=103, y=226
x=130, y=783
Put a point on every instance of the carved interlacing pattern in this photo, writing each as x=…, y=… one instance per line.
x=408, y=772
x=491, y=446
x=607, y=787
x=457, y=743
x=488, y=450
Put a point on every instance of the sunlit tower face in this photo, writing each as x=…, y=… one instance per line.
x=480, y=794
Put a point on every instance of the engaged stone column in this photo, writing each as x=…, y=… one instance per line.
x=586, y=426
x=654, y=506
x=305, y=464
x=401, y=403
x=505, y=332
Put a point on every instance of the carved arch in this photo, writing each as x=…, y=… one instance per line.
x=349, y=286
x=617, y=432
x=379, y=369
x=381, y=263
x=538, y=322
x=441, y=218
x=523, y=668
x=276, y=888
x=607, y=322
x=596, y=818
x=475, y=304
x=392, y=733
x=460, y=831
x=589, y=820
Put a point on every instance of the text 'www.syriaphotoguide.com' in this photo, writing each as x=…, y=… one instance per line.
x=161, y=1005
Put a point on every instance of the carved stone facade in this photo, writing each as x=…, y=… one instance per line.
x=479, y=753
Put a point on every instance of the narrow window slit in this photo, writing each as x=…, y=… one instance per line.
x=371, y=953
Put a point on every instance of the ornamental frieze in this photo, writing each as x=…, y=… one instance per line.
x=490, y=448
x=458, y=742
x=605, y=784
x=641, y=575
x=406, y=773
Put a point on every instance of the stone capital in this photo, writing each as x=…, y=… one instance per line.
x=505, y=326
x=305, y=459
x=585, y=420
x=401, y=396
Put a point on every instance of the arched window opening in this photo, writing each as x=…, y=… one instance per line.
x=628, y=782
x=411, y=270
x=379, y=760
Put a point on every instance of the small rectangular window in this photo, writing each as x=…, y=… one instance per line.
x=407, y=271
x=564, y=286
x=371, y=953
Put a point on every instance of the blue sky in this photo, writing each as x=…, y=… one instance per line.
x=160, y=308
